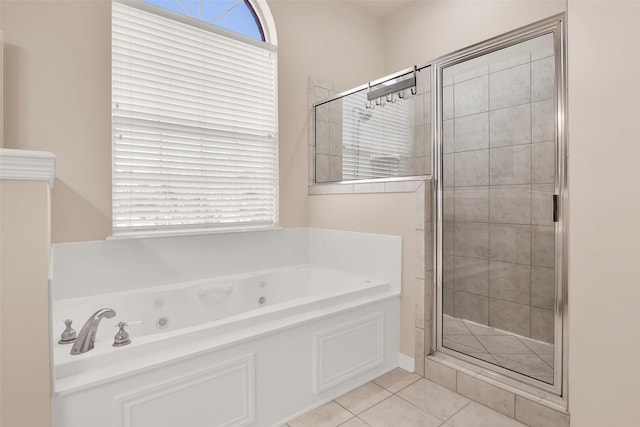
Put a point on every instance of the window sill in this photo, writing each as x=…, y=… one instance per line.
x=394, y=185
x=191, y=232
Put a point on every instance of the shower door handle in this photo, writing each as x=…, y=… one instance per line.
x=555, y=208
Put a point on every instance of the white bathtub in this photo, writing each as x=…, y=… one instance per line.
x=252, y=348
x=167, y=308
x=171, y=315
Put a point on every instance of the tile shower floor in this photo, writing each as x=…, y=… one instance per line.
x=520, y=354
x=402, y=399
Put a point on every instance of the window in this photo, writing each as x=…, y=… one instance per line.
x=194, y=118
x=234, y=15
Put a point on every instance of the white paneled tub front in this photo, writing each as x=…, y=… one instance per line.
x=256, y=347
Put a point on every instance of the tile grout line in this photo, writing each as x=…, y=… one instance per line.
x=453, y=184
x=386, y=398
x=500, y=147
x=483, y=346
x=363, y=421
x=408, y=385
x=536, y=353
x=419, y=408
x=417, y=359
x=456, y=373
x=342, y=406
x=502, y=299
x=368, y=407
x=503, y=185
x=352, y=418
x=531, y=192
x=412, y=382
x=489, y=255
x=461, y=409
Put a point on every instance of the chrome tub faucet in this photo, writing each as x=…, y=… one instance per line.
x=87, y=336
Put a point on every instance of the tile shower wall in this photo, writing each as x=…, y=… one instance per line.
x=328, y=136
x=498, y=164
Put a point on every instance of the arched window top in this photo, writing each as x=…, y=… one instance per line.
x=233, y=15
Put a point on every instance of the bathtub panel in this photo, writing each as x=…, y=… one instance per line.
x=284, y=370
x=344, y=352
x=220, y=396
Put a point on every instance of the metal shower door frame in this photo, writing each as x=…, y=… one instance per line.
x=555, y=394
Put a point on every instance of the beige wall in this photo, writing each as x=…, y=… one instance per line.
x=24, y=331
x=604, y=239
x=426, y=30
x=1, y=81
x=57, y=98
x=329, y=40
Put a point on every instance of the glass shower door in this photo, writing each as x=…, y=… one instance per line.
x=499, y=176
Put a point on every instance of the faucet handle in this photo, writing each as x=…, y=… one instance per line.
x=69, y=334
x=132, y=323
x=122, y=337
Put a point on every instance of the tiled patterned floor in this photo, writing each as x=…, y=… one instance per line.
x=402, y=399
x=520, y=354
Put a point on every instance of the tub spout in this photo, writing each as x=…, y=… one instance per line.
x=87, y=336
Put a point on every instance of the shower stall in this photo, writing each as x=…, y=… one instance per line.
x=498, y=212
x=495, y=114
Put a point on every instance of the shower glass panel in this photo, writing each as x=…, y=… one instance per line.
x=498, y=180
x=390, y=136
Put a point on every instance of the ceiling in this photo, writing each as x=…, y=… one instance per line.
x=380, y=8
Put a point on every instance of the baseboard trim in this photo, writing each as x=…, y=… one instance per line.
x=407, y=363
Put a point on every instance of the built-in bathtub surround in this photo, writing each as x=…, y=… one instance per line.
x=219, y=320
x=499, y=172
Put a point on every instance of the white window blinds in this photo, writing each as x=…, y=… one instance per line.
x=194, y=127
